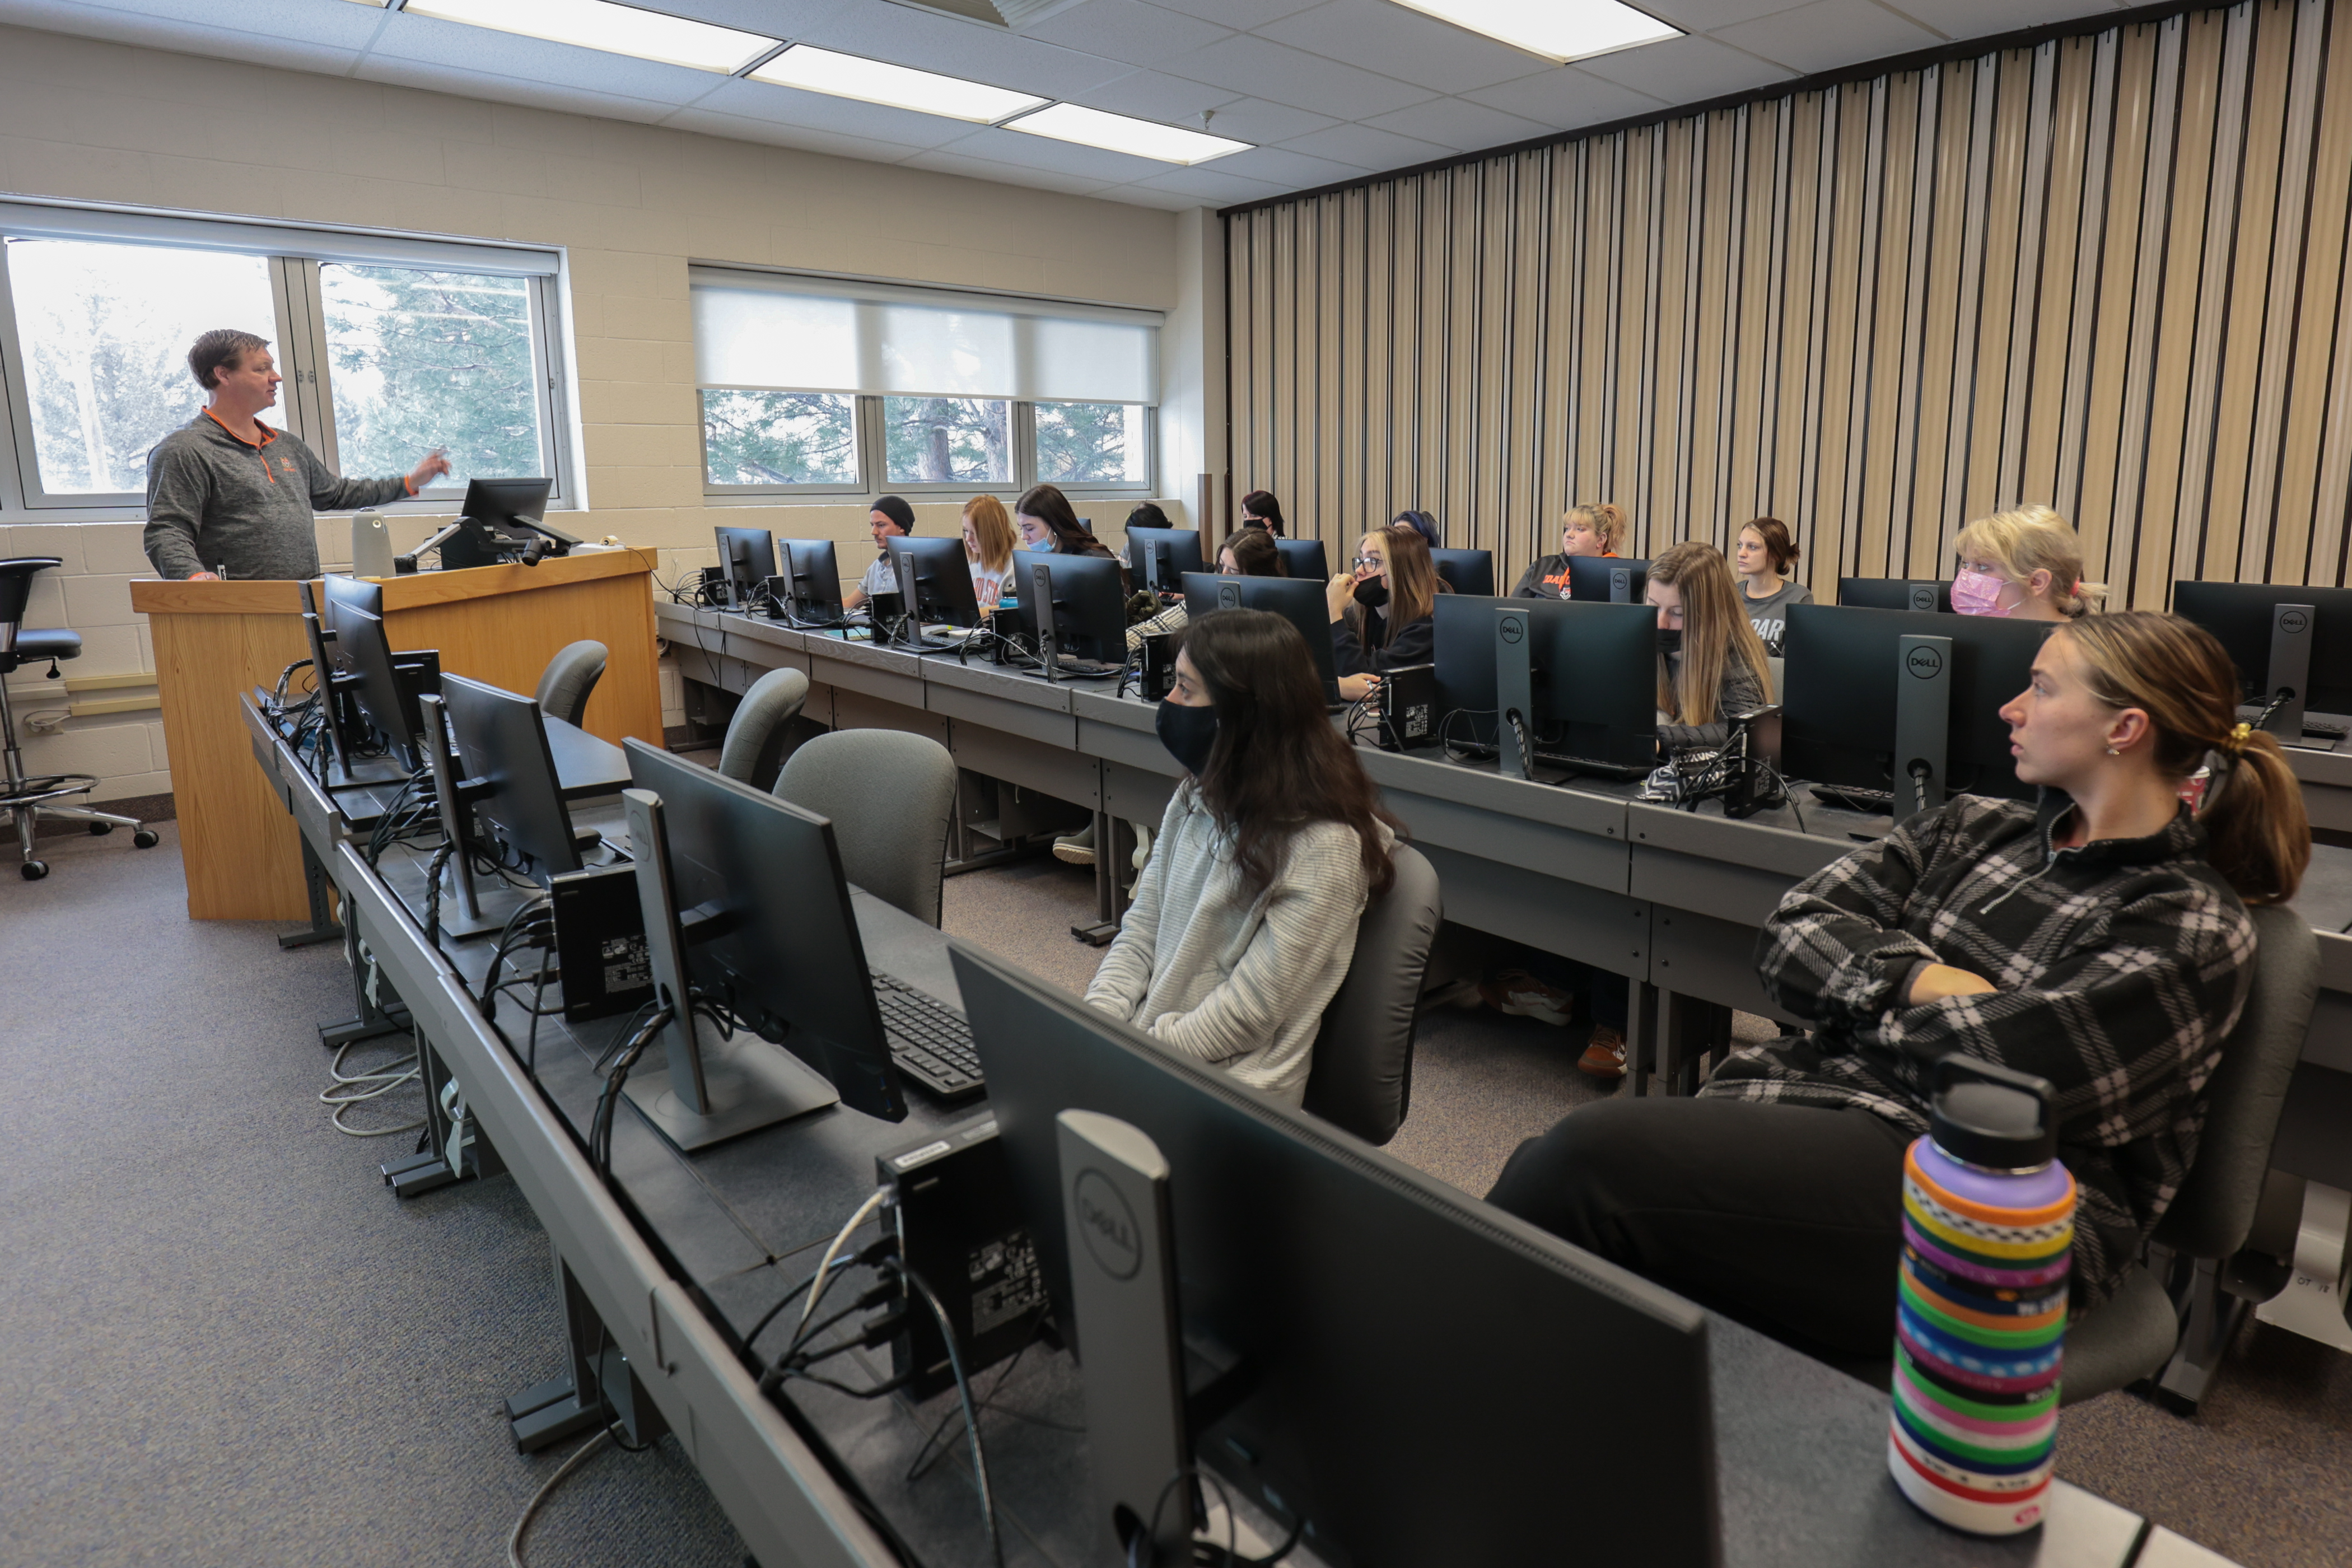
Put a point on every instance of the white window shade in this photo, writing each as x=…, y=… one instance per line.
x=760, y=332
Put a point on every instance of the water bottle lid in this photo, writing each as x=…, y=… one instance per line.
x=1983, y=1113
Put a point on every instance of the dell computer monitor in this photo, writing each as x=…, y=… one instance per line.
x=812, y=573
x=1844, y=675
x=1159, y=557
x=2244, y=618
x=386, y=694
x=1895, y=594
x=767, y=923
x=1089, y=610
x=1593, y=679
x=1606, y=579
x=943, y=590
x=1298, y=600
x=1465, y=570
x=1405, y=1366
x=501, y=743
x=748, y=558
x=1304, y=558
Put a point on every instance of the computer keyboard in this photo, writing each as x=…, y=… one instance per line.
x=1852, y=797
x=931, y=1042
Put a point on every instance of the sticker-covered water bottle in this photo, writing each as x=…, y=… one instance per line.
x=1987, y=1238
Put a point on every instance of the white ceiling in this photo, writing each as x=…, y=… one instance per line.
x=1327, y=89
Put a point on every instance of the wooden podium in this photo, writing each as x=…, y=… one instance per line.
x=215, y=641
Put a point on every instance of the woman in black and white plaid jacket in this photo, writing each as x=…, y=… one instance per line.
x=2098, y=939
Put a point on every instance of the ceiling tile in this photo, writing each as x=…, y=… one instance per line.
x=949, y=162
x=297, y=21
x=425, y=40
x=1407, y=44
x=1291, y=171
x=1243, y=14
x=1284, y=74
x=1981, y=18
x=1460, y=125
x=1207, y=184
x=847, y=116
x=906, y=36
x=773, y=133
x=1254, y=120
x=521, y=91
x=1128, y=30
x=1366, y=147
x=771, y=18
x=1145, y=196
x=1063, y=157
x=1703, y=15
x=1685, y=70
x=1149, y=95
x=1829, y=34
x=1564, y=99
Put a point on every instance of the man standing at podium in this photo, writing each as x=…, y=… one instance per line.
x=229, y=497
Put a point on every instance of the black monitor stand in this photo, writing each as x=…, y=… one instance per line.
x=1049, y=646
x=1928, y=595
x=1514, y=693
x=909, y=631
x=1123, y=1294
x=1923, y=723
x=716, y=1089
x=2290, y=671
x=1160, y=569
x=1621, y=585
x=454, y=795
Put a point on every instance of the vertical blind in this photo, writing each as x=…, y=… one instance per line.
x=754, y=330
x=2106, y=273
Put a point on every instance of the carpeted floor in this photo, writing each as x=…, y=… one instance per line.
x=230, y=1344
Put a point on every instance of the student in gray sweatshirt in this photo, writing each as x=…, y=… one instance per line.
x=1244, y=921
x=225, y=491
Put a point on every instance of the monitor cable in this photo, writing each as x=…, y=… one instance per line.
x=362, y=1087
x=916, y=1283
x=1207, y=1554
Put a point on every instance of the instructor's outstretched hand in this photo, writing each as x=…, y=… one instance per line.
x=436, y=464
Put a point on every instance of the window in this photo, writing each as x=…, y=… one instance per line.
x=105, y=330
x=390, y=348
x=818, y=385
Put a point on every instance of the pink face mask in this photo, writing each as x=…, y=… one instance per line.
x=1977, y=593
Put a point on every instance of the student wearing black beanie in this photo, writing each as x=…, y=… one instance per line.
x=890, y=519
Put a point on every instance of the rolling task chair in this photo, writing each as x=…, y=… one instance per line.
x=889, y=796
x=22, y=798
x=754, y=747
x=570, y=679
x=1361, y=1079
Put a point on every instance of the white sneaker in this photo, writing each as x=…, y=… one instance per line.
x=1078, y=848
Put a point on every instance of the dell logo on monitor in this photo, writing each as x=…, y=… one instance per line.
x=1107, y=1224
x=1514, y=630
x=1924, y=663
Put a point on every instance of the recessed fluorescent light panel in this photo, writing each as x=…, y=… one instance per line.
x=616, y=29
x=1144, y=138
x=902, y=87
x=1559, y=30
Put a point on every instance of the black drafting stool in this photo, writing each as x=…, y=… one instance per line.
x=26, y=799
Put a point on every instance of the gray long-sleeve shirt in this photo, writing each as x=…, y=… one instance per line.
x=1221, y=977
x=216, y=500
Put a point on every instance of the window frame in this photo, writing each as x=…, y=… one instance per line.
x=307, y=401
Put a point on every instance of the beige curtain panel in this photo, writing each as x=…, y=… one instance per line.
x=2107, y=273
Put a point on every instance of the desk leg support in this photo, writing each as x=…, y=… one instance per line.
x=1114, y=864
x=323, y=926
x=374, y=1018
x=1687, y=1030
x=598, y=1386
x=2209, y=1319
x=1642, y=1012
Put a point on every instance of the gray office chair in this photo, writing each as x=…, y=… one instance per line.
x=754, y=747
x=26, y=799
x=889, y=796
x=1362, y=1075
x=570, y=679
x=2180, y=1336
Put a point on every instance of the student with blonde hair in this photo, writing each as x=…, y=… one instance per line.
x=988, y=545
x=1711, y=664
x=2026, y=564
x=1594, y=528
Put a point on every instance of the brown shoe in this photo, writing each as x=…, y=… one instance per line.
x=1605, y=1057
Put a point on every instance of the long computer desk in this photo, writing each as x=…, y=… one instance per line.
x=1672, y=900
x=663, y=1271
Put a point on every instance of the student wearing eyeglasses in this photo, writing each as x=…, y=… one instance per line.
x=1382, y=610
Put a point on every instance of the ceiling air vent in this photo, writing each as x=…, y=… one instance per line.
x=1012, y=15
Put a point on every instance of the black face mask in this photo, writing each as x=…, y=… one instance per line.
x=1372, y=594
x=1669, y=640
x=1189, y=734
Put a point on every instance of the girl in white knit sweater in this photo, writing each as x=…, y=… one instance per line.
x=1244, y=921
